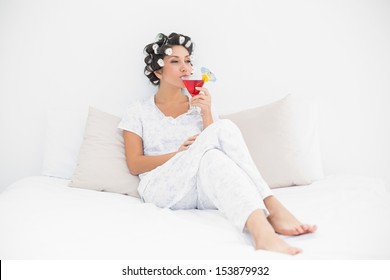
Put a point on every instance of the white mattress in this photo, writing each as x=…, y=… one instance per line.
x=42, y=218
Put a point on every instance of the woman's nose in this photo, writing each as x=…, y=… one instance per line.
x=184, y=69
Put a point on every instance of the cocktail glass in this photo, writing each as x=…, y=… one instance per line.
x=191, y=82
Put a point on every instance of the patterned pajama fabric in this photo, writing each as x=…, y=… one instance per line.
x=216, y=172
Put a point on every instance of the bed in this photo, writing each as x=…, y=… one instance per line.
x=42, y=218
x=78, y=208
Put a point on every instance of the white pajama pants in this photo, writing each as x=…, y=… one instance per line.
x=216, y=172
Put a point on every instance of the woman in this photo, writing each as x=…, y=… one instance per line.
x=188, y=161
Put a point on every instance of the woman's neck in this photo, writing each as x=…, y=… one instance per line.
x=170, y=94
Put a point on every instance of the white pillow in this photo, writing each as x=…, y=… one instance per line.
x=101, y=163
x=283, y=140
x=64, y=135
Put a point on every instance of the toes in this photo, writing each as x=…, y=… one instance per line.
x=293, y=251
x=313, y=228
x=308, y=228
x=296, y=229
x=292, y=231
x=305, y=227
x=301, y=229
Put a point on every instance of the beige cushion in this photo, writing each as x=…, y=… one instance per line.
x=101, y=162
x=283, y=140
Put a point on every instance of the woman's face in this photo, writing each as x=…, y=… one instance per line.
x=176, y=65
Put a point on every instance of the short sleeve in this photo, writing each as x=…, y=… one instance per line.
x=131, y=120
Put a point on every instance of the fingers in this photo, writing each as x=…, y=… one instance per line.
x=201, y=99
x=203, y=90
x=186, y=145
x=193, y=137
x=188, y=142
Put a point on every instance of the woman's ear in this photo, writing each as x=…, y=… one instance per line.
x=158, y=73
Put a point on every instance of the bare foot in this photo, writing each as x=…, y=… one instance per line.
x=265, y=237
x=270, y=241
x=283, y=221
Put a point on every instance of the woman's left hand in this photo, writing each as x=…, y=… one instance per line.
x=203, y=101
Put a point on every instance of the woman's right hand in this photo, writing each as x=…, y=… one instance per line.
x=187, y=143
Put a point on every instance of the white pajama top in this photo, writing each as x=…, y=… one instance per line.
x=160, y=134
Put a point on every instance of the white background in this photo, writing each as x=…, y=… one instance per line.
x=70, y=54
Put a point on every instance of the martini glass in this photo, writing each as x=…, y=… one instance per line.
x=191, y=82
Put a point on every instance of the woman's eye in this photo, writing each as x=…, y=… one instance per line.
x=176, y=61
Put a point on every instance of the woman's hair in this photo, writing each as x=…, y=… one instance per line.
x=156, y=51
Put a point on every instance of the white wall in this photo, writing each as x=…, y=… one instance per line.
x=69, y=54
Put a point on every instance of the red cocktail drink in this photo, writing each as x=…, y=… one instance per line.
x=192, y=84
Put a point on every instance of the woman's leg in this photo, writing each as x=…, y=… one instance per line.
x=226, y=136
x=231, y=142
x=223, y=185
x=265, y=237
x=170, y=183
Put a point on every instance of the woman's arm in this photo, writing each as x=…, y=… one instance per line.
x=204, y=102
x=137, y=162
x=207, y=119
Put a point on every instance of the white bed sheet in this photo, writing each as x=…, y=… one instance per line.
x=42, y=218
